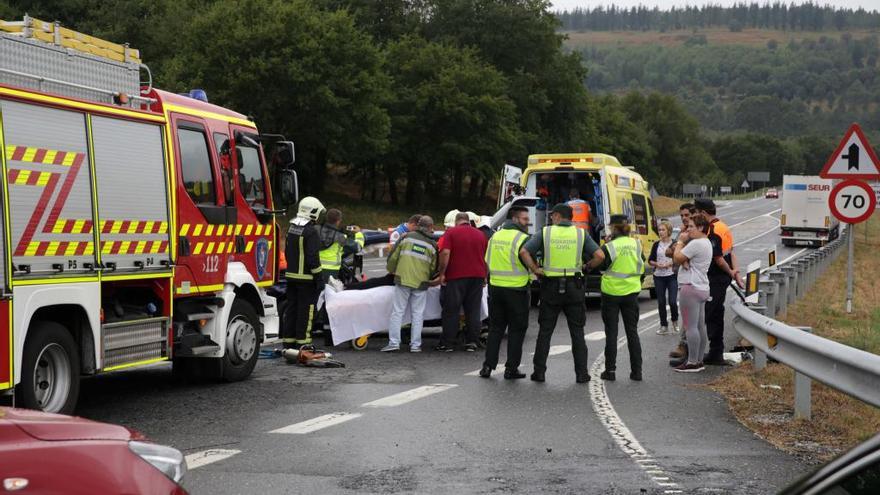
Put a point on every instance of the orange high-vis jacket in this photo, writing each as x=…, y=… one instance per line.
x=580, y=213
x=723, y=231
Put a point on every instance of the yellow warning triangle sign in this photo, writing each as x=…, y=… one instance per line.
x=853, y=159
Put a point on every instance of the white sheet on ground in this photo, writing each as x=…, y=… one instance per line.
x=354, y=313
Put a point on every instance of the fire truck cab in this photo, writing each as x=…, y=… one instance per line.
x=137, y=225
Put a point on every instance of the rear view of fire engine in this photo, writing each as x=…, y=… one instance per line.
x=137, y=225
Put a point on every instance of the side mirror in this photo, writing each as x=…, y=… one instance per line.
x=289, y=187
x=285, y=154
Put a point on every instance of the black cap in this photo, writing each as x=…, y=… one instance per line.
x=704, y=204
x=619, y=219
x=563, y=209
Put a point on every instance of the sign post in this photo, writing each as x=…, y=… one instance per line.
x=852, y=201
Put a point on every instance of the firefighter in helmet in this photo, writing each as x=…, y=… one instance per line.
x=304, y=279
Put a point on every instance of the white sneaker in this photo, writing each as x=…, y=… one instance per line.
x=675, y=327
x=336, y=284
x=390, y=348
x=415, y=349
x=663, y=331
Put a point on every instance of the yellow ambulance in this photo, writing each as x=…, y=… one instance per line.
x=598, y=179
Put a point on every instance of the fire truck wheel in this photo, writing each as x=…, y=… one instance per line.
x=242, y=342
x=50, y=370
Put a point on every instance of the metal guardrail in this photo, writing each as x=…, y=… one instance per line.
x=852, y=371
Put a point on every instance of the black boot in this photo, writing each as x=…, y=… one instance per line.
x=635, y=376
x=583, y=378
x=485, y=371
x=537, y=376
x=513, y=374
x=608, y=375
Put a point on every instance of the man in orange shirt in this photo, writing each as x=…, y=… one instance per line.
x=580, y=210
x=723, y=269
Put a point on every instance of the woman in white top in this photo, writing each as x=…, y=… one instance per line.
x=693, y=252
x=665, y=283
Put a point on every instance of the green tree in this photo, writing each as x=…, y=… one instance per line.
x=451, y=115
x=307, y=73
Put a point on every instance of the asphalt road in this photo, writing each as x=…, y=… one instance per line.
x=425, y=423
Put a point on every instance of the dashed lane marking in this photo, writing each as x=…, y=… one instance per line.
x=205, y=457
x=594, y=336
x=410, y=395
x=318, y=423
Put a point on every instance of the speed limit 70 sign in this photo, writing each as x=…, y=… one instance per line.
x=852, y=201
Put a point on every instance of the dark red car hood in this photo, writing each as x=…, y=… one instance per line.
x=56, y=427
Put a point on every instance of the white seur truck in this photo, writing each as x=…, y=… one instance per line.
x=806, y=216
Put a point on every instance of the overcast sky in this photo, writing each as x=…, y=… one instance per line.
x=665, y=4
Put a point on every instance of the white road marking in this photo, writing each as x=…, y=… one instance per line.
x=768, y=214
x=205, y=457
x=318, y=423
x=615, y=426
x=648, y=314
x=595, y=336
x=409, y=395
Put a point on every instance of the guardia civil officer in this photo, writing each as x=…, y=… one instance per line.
x=508, y=294
x=565, y=249
x=304, y=279
x=624, y=265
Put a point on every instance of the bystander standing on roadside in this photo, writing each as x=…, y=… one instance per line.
x=463, y=271
x=508, y=294
x=722, y=271
x=685, y=211
x=693, y=252
x=413, y=263
x=665, y=283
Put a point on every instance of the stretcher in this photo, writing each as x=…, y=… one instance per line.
x=356, y=314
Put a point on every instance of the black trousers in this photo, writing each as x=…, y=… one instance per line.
x=370, y=283
x=612, y=308
x=571, y=302
x=508, y=310
x=299, y=315
x=715, y=315
x=466, y=293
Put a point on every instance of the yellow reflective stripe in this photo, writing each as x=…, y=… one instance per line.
x=198, y=229
x=44, y=178
x=71, y=249
x=117, y=226
x=209, y=230
x=298, y=276
x=59, y=226
x=84, y=106
x=22, y=177
x=53, y=247
x=238, y=229
x=32, y=249
x=148, y=226
x=49, y=157
x=198, y=248
x=90, y=249
x=249, y=247
x=184, y=229
x=29, y=155
x=68, y=159
x=136, y=363
x=248, y=229
x=210, y=115
x=163, y=227
x=210, y=249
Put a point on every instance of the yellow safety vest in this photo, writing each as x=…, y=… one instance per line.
x=563, y=245
x=360, y=239
x=624, y=274
x=502, y=257
x=331, y=258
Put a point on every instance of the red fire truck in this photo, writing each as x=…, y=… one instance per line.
x=137, y=225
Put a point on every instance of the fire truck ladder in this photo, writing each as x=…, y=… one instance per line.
x=47, y=57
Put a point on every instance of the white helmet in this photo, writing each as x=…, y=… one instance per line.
x=473, y=217
x=310, y=208
x=449, y=220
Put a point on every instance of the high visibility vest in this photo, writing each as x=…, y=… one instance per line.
x=331, y=258
x=624, y=275
x=723, y=231
x=502, y=257
x=360, y=239
x=563, y=245
x=580, y=213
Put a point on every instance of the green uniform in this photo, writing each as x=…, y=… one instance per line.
x=565, y=249
x=508, y=295
x=621, y=284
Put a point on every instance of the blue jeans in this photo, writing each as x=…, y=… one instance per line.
x=664, y=285
x=416, y=300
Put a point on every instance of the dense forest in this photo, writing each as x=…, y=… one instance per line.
x=777, y=15
x=426, y=99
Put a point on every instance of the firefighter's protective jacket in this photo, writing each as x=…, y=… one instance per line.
x=303, y=246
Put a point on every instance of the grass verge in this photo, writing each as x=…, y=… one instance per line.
x=763, y=401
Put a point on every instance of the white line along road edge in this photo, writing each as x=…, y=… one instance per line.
x=409, y=395
x=205, y=457
x=318, y=423
x=615, y=426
